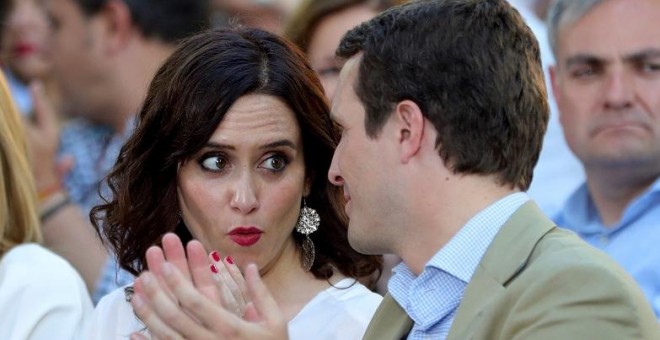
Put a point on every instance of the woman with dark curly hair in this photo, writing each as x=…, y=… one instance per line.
x=232, y=148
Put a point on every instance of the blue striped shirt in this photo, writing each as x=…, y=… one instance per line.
x=432, y=298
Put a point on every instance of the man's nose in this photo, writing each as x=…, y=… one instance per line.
x=334, y=175
x=619, y=90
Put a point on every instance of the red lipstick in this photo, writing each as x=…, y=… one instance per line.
x=245, y=236
x=23, y=49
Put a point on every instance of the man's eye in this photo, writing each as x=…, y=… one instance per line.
x=584, y=72
x=650, y=67
x=214, y=163
x=275, y=163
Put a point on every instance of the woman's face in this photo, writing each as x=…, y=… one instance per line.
x=241, y=193
x=25, y=37
x=325, y=40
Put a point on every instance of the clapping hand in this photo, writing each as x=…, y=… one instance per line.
x=180, y=298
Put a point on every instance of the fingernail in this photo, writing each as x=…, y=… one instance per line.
x=213, y=268
x=215, y=256
x=230, y=260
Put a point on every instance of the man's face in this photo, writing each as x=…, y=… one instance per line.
x=361, y=166
x=76, y=57
x=607, y=85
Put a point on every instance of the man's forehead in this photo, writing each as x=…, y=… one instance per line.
x=347, y=78
x=608, y=32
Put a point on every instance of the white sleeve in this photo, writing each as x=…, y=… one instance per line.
x=114, y=319
x=41, y=296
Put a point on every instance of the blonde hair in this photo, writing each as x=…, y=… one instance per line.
x=19, y=221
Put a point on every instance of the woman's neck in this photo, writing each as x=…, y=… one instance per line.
x=292, y=286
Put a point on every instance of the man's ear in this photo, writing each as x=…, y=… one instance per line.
x=410, y=128
x=554, y=82
x=118, y=25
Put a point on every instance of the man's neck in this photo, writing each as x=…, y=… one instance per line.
x=442, y=211
x=612, y=190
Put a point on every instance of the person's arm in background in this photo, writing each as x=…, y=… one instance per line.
x=66, y=229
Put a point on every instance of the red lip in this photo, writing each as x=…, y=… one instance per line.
x=245, y=236
x=22, y=49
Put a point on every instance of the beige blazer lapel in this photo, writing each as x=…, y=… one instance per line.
x=389, y=322
x=505, y=258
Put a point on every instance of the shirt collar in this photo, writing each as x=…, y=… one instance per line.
x=462, y=254
x=580, y=214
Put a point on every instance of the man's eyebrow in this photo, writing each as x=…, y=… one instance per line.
x=582, y=59
x=649, y=53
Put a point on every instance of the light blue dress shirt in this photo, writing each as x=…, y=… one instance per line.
x=432, y=298
x=634, y=242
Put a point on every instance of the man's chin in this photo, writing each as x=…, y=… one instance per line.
x=363, y=245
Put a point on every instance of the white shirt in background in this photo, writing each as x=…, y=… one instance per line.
x=41, y=296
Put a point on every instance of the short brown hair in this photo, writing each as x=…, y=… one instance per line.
x=472, y=66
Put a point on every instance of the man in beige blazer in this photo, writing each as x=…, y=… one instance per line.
x=442, y=108
x=537, y=281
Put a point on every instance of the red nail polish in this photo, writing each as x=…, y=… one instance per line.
x=215, y=256
x=214, y=269
x=230, y=260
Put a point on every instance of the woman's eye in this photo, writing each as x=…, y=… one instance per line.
x=214, y=163
x=274, y=163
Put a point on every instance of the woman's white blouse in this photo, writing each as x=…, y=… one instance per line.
x=339, y=312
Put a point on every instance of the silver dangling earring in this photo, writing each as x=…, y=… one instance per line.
x=308, y=222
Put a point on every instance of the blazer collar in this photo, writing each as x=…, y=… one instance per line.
x=506, y=257
x=389, y=322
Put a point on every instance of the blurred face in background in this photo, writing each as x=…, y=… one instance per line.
x=607, y=85
x=80, y=57
x=325, y=40
x=25, y=40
